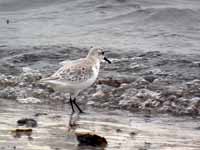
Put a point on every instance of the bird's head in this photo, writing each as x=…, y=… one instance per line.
x=99, y=54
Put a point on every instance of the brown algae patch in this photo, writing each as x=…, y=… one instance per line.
x=18, y=133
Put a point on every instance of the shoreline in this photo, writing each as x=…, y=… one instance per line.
x=152, y=82
x=121, y=129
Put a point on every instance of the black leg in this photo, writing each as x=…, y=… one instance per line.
x=77, y=106
x=71, y=103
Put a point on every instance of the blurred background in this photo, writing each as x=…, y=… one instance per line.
x=143, y=25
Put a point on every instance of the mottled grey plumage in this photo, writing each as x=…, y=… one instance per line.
x=75, y=76
x=78, y=72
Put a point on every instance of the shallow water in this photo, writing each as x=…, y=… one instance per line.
x=123, y=130
x=115, y=24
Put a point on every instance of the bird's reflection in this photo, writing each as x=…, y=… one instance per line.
x=83, y=142
x=73, y=117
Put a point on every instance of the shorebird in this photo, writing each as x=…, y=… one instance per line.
x=77, y=75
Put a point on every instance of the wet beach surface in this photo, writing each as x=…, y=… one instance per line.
x=141, y=101
x=122, y=130
x=151, y=82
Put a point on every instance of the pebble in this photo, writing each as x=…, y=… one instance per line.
x=145, y=93
x=99, y=94
x=8, y=93
x=40, y=93
x=149, y=78
x=7, y=81
x=17, y=133
x=28, y=122
x=40, y=114
x=30, y=77
x=109, y=82
x=90, y=102
x=90, y=139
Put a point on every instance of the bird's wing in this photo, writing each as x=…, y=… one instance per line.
x=76, y=72
x=71, y=61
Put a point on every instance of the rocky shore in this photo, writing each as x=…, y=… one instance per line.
x=150, y=82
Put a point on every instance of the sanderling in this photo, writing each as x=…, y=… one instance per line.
x=77, y=75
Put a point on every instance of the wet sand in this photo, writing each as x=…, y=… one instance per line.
x=122, y=130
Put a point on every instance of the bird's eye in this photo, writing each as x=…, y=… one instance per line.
x=102, y=53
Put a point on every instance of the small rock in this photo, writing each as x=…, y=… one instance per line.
x=17, y=133
x=173, y=104
x=150, y=78
x=7, y=81
x=98, y=94
x=90, y=102
x=172, y=91
x=124, y=102
x=124, y=85
x=172, y=98
x=141, y=83
x=166, y=108
x=127, y=94
x=144, y=93
x=196, y=99
x=110, y=82
x=118, y=130
x=30, y=77
x=8, y=93
x=28, y=122
x=132, y=104
x=40, y=93
x=40, y=114
x=133, y=133
x=193, y=82
x=192, y=110
x=90, y=139
x=151, y=103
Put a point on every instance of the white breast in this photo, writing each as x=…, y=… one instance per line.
x=90, y=81
x=95, y=69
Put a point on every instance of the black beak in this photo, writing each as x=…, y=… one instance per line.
x=106, y=59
